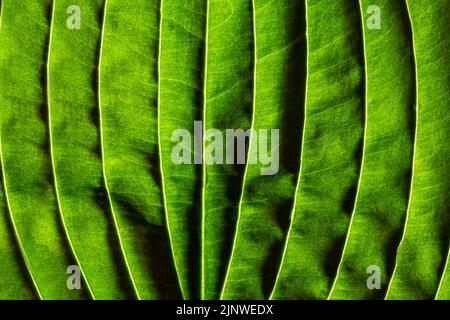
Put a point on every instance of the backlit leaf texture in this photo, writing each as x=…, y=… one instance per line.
x=87, y=122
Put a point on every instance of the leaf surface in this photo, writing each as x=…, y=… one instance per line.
x=266, y=199
x=423, y=251
x=77, y=167
x=227, y=105
x=181, y=96
x=119, y=150
x=380, y=208
x=13, y=270
x=331, y=153
x=128, y=105
x=26, y=160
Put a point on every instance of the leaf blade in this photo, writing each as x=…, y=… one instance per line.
x=129, y=100
x=181, y=68
x=24, y=148
x=384, y=186
x=227, y=105
x=331, y=151
x=251, y=276
x=424, y=243
x=15, y=286
x=160, y=156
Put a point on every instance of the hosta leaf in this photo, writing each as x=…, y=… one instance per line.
x=13, y=269
x=26, y=160
x=331, y=151
x=73, y=117
x=182, y=57
x=423, y=251
x=13, y=272
x=380, y=207
x=98, y=99
x=228, y=100
x=128, y=101
x=443, y=291
x=278, y=100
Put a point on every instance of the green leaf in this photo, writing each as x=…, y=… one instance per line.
x=331, y=152
x=77, y=167
x=98, y=96
x=128, y=105
x=278, y=97
x=26, y=161
x=423, y=252
x=13, y=272
x=443, y=290
x=228, y=102
x=181, y=65
x=380, y=207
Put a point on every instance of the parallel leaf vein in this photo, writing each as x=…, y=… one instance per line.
x=203, y=208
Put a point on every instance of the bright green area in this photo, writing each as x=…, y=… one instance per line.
x=87, y=122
